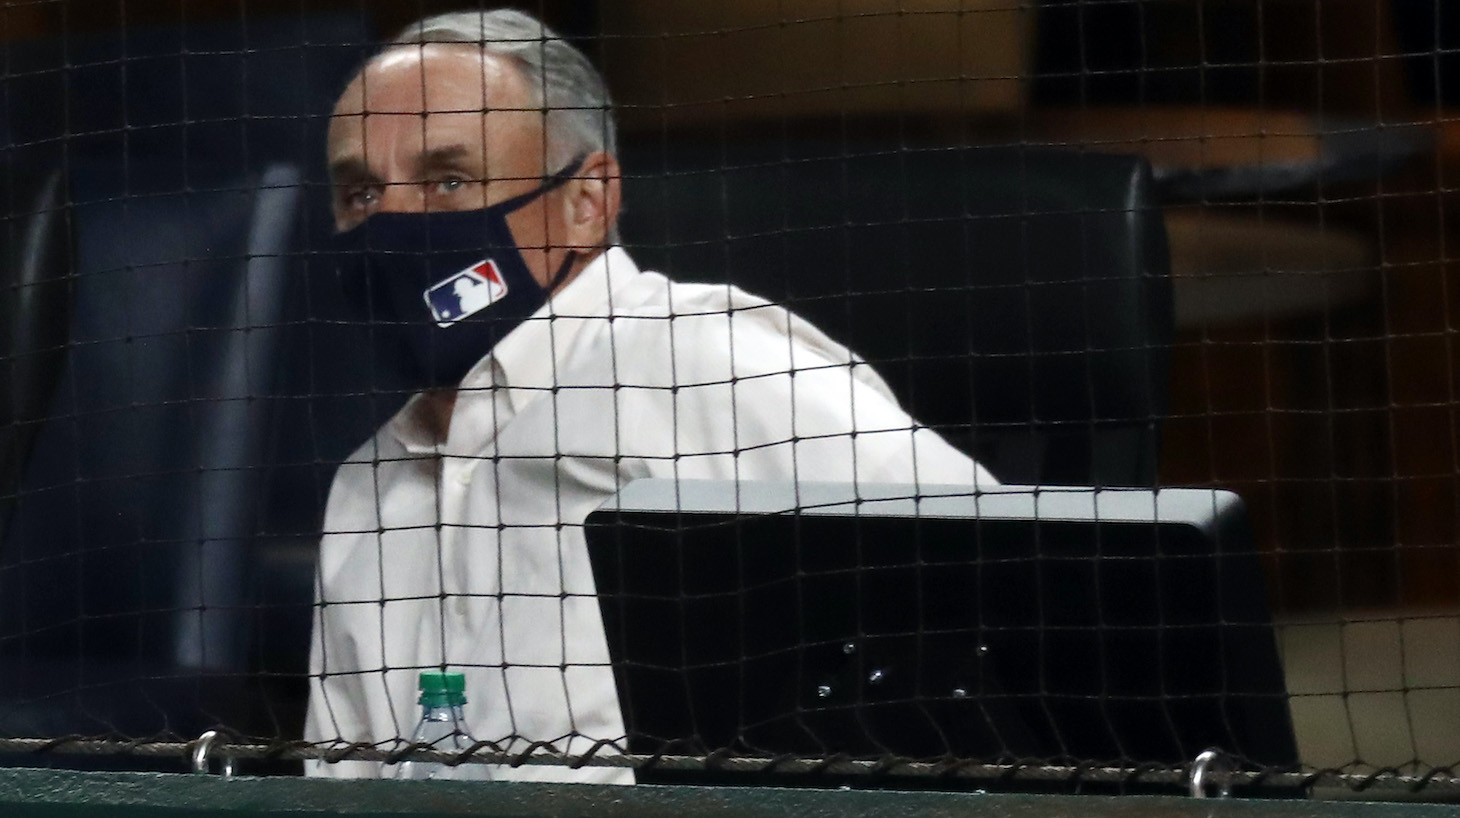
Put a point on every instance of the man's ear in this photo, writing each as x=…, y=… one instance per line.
x=592, y=201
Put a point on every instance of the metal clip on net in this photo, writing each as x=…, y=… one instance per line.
x=1210, y=764
x=203, y=748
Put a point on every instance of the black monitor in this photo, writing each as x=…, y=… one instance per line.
x=1064, y=624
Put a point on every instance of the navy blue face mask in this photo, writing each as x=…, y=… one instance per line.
x=440, y=289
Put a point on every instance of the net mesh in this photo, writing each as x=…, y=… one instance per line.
x=1084, y=244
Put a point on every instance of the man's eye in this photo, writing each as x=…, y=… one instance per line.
x=359, y=197
x=451, y=185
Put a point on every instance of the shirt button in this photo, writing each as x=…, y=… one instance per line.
x=461, y=606
x=464, y=477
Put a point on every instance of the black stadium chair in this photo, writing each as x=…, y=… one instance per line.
x=35, y=314
x=1017, y=300
x=164, y=468
x=124, y=581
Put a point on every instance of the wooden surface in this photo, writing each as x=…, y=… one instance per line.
x=675, y=64
x=1234, y=267
x=1185, y=137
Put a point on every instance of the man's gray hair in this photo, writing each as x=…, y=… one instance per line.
x=560, y=79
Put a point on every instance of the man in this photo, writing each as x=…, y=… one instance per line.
x=477, y=151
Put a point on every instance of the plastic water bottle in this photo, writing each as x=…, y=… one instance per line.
x=442, y=725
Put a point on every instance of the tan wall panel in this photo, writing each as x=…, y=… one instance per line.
x=696, y=63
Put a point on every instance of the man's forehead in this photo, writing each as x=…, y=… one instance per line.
x=433, y=78
x=379, y=119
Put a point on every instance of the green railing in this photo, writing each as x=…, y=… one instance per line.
x=32, y=793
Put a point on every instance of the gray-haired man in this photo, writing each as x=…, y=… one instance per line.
x=475, y=154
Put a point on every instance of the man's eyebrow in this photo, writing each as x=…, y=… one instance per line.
x=352, y=169
x=446, y=155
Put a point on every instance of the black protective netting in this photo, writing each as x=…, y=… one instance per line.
x=1176, y=272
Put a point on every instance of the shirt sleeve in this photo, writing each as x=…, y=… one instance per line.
x=346, y=701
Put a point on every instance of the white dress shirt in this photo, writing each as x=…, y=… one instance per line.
x=469, y=552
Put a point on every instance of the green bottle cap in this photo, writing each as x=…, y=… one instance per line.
x=442, y=689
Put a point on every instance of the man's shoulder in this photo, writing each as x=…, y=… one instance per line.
x=363, y=476
x=660, y=314
x=722, y=312
x=663, y=332
x=360, y=468
x=652, y=295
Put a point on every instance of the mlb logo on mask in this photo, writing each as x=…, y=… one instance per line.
x=465, y=293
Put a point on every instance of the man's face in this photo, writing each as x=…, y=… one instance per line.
x=444, y=127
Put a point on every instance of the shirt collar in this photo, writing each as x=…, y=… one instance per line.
x=412, y=428
x=528, y=359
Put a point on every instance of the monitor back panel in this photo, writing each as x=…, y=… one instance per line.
x=1068, y=624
